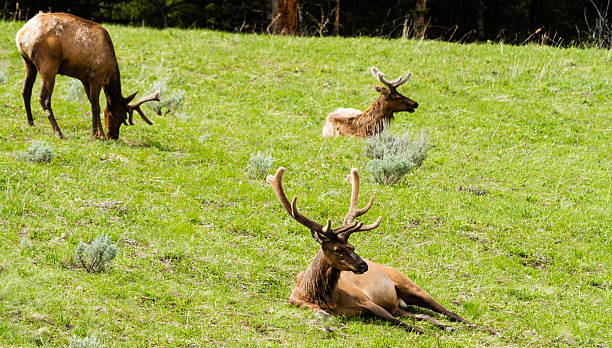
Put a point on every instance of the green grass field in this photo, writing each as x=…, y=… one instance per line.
x=207, y=256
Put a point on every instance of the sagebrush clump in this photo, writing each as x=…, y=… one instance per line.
x=170, y=103
x=390, y=169
x=38, y=151
x=75, y=90
x=394, y=157
x=86, y=342
x=97, y=256
x=3, y=76
x=259, y=165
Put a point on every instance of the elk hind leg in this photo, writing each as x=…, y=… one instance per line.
x=412, y=294
x=26, y=92
x=425, y=317
x=382, y=313
x=46, y=90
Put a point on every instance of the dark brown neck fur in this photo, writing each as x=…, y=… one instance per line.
x=112, y=90
x=320, y=280
x=374, y=119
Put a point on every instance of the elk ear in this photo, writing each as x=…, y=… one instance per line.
x=130, y=97
x=381, y=90
x=320, y=238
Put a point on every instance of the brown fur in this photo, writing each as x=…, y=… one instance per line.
x=317, y=283
x=352, y=122
x=340, y=282
x=61, y=43
x=371, y=121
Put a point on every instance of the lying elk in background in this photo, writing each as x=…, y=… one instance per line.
x=341, y=282
x=60, y=43
x=352, y=122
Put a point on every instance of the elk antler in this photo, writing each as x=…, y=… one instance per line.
x=391, y=84
x=277, y=184
x=342, y=232
x=136, y=107
x=354, y=212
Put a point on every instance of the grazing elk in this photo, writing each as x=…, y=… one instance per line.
x=352, y=122
x=341, y=282
x=60, y=43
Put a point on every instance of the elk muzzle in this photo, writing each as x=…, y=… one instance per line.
x=362, y=268
x=413, y=106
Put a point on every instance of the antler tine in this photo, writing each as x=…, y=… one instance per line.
x=370, y=226
x=277, y=184
x=391, y=84
x=327, y=228
x=136, y=107
x=381, y=77
x=311, y=224
x=375, y=72
x=344, y=228
x=154, y=96
x=401, y=80
x=345, y=231
x=354, y=211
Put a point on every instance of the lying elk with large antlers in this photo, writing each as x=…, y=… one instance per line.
x=352, y=122
x=341, y=282
x=60, y=43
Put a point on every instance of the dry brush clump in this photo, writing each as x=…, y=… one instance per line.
x=172, y=101
x=75, y=90
x=39, y=152
x=97, y=256
x=259, y=165
x=86, y=342
x=394, y=157
x=3, y=76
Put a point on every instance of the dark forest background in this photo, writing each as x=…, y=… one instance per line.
x=558, y=22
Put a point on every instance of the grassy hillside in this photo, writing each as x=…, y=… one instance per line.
x=208, y=256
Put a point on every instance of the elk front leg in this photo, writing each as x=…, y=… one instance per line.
x=313, y=307
x=26, y=92
x=96, y=125
x=46, y=90
x=382, y=313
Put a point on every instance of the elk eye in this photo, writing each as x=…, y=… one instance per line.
x=337, y=251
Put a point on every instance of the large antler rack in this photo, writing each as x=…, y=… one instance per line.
x=393, y=84
x=342, y=232
x=136, y=107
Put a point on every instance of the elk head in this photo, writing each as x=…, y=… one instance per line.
x=117, y=114
x=396, y=101
x=334, y=241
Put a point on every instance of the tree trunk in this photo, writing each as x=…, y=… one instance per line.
x=337, y=22
x=289, y=16
x=419, y=18
x=480, y=20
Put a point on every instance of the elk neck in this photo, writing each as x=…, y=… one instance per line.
x=375, y=118
x=320, y=280
x=112, y=90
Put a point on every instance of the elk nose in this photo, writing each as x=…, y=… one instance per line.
x=416, y=105
x=363, y=267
